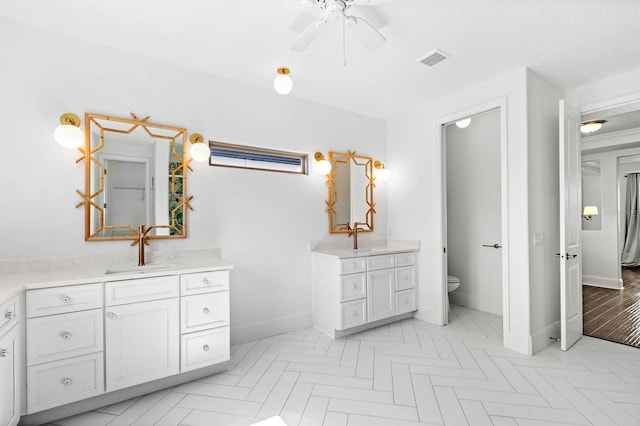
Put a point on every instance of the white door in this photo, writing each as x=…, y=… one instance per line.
x=570, y=226
x=381, y=302
x=142, y=342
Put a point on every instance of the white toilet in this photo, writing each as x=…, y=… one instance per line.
x=452, y=284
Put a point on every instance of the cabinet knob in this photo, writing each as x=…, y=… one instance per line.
x=406, y=301
x=355, y=313
x=9, y=314
x=65, y=298
x=4, y=353
x=67, y=381
x=354, y=286
x=206, y=310
x=65, y=335
x=206, y=281
x=205, y=348
x=111, y=315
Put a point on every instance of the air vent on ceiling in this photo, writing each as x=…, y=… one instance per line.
x=434, y=57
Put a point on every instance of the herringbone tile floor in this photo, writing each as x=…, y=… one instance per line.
x=406, y=373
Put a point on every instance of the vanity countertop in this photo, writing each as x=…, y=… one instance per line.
x=367, y=248
x=68, y=273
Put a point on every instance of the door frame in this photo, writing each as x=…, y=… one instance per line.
x=501, y=104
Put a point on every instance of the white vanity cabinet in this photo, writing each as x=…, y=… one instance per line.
x=353, y=293
x=141, y=330
x=204, y=319
x=64, y=345
x=9, y=363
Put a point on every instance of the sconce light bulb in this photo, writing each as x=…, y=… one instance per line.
x=200, y=151
x=69, y=136
x=323, y=167
x=383, y=174
x=283, y=83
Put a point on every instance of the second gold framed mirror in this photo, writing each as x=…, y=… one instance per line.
x=350, y=198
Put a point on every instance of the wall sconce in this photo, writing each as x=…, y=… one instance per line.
x=592, y=126
x=68, y=133
x=199, y=150
x=323, y=167
x=589, y=211
x=282, y=83
x=382, y=173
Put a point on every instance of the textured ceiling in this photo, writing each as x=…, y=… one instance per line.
x=568, y=42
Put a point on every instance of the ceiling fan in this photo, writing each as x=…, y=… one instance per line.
x=351, y=14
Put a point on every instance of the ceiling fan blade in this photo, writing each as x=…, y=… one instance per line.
x=373, y=15
x=365, y=33
x=309, y=35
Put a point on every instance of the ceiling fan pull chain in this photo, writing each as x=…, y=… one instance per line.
x=344, y=42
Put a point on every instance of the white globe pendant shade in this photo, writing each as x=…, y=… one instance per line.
x=283, y=83
x=383, y=174
x=69, y=136
x=323, y=167
x=199, y=151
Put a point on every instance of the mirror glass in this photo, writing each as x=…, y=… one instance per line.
x=350, y=197
x=592, y=194
x=135, y=175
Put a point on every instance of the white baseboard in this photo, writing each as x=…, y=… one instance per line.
x=260, y=330
x=543, y=338
x=603, y=282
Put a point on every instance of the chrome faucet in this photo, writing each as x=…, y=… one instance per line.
x=354, y=231
x=141, y=241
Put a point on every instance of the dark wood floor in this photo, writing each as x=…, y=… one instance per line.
x=614, y=314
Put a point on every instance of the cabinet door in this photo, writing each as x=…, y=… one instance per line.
x=142, y=342
x=9, y=378
x=381, y=294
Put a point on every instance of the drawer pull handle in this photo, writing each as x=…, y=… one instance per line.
x=4, y=353
x=67, y=381
x=205, y=348
x=206, y=310
x=206, y=281
x=9, y=315
x=65, y=335
x=111, y=316
x=65, y=298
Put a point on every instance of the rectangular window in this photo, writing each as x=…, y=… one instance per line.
x=247, y=157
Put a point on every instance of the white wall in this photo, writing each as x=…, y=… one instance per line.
x=415, y=195
x=618, y=86
x=544, y=209
x=262, y=222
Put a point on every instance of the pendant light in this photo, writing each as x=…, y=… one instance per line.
x=282, y=83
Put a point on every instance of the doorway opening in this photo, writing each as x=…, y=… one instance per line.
x=475, y=266
x=611, y=238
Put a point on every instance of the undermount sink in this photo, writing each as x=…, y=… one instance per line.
x=134, y=269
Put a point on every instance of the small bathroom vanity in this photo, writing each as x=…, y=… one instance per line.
x=353, y=290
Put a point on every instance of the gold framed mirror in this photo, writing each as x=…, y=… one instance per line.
x=135, y=174
x=350, y=197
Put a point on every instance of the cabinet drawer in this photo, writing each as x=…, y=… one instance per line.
x=405, y=277
x=380, y=262
x=353, y=286
x=58, y=300
x=353, y=313
x=61, y=382
x=204, y=311
x=204, y=348
x=8, y=314
x=141, y=290
x=405, y=259
x=63, y=336
x=204, y=282
x=405, y=301
x=353, y=265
